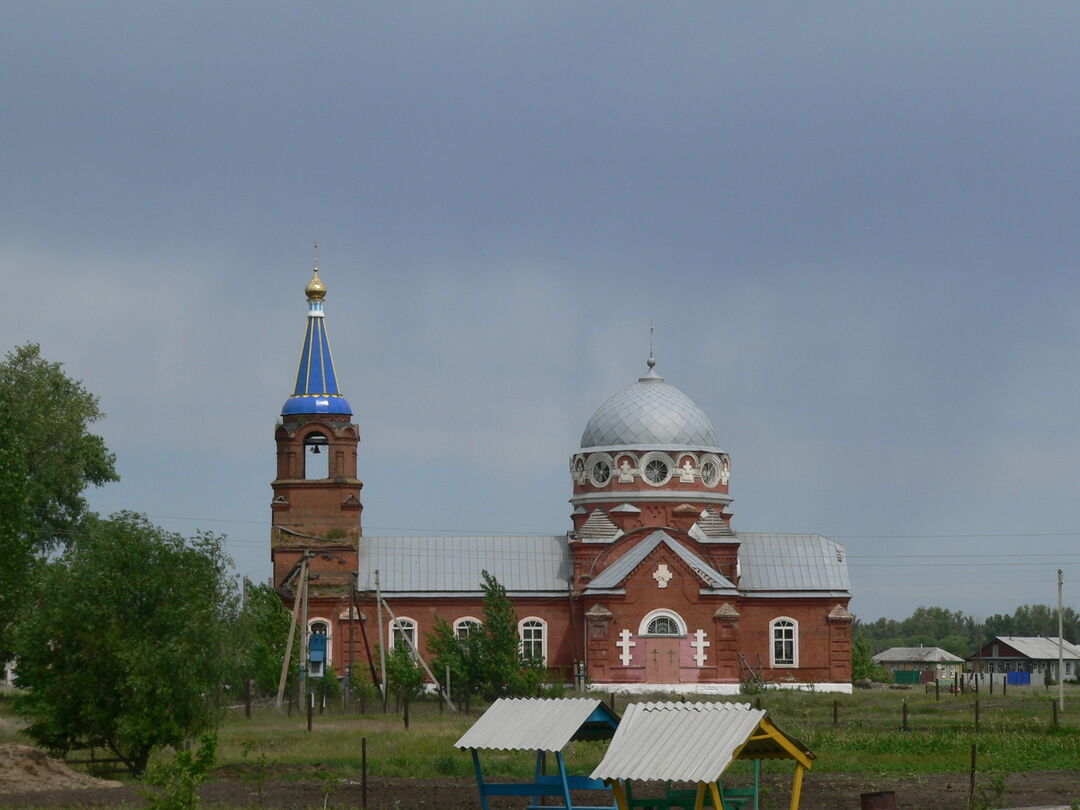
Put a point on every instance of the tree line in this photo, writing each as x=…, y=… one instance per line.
x=962, y=634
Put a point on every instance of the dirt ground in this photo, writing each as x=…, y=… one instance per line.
x=26, y=769
x=821, y=792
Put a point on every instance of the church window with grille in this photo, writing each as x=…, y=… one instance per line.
x=663, y=626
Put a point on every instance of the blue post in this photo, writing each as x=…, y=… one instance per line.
x=565, y=781
x=538, y=773
x=479, y=779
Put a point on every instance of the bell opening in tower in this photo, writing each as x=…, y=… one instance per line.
x=316, y=457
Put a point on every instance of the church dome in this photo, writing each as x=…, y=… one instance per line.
x=650, y=413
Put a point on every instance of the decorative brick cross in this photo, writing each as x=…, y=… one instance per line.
x=662, y=575
x=624, y=644
x=699, y=644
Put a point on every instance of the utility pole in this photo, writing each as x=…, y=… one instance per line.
x=1061, y=645
x=304, y=631
x=382, y=642
x=297, y=597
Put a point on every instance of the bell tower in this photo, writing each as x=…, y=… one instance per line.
x=316, y=502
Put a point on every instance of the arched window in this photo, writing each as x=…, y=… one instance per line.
x=662, y=623
x=533, y=634
x=466, y=626
x=784, y=632
x=400, y=628
x=319, y=647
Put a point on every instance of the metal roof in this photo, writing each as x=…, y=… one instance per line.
x=538, y=724
x=792, y=562
x=929, y=655
x=1039, y=648
x=521, y=564
x=688, y=742
x=649, y=413
x=614, y=574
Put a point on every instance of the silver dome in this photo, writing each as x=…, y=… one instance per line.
x=650, y=413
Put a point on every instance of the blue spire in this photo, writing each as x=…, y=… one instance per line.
x=316, y=389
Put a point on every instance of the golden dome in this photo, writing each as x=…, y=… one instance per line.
x=315, y=289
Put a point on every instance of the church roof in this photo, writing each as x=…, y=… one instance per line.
x=792, y=562
x=770, y=565
x=453, y=566
x=316, y=390
x=614, y=574
x=650, y=413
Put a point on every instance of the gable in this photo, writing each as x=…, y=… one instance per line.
x=615, y=574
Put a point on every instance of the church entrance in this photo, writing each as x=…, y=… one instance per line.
x=662, y=660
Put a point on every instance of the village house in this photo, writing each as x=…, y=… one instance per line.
x=1035, y=654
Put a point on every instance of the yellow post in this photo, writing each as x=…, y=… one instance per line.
x=699, y=800
x=714, y=789
x=796, y=786
x=620, y=795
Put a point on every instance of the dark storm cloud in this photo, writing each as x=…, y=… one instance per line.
x=854, y=224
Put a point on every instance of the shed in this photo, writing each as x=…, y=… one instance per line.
x=541, y=725
x=695, y=742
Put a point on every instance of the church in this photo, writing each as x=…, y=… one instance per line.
x=651, y=590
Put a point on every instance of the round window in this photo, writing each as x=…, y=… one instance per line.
x=710, y=473
x=657, y=471
x=601, y=473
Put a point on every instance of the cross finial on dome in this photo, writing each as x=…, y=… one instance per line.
x=651, y=362
x=315, y=290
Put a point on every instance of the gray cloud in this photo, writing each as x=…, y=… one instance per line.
x=855, y=228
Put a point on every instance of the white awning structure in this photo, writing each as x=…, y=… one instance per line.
x=537, y=724
x=695, y=742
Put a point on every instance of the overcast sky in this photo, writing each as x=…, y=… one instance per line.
x=855, y=224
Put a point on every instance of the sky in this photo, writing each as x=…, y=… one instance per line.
x=855, y=226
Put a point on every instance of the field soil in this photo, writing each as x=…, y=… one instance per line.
x=821, y=792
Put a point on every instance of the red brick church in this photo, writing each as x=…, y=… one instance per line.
x=651, y=589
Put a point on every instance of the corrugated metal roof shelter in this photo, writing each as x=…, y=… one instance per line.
x=534, y=724
x=695, y=742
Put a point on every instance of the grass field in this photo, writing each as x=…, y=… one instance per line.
x=1015, y=735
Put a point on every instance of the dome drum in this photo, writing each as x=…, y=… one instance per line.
x=601, y=470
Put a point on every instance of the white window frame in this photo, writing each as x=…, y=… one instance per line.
x=543, y=637
x=466, y=620
x=773, y=626
x=656, y=455
x=402, y=622
x=643, y=627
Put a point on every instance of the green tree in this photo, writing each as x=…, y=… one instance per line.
x=127, y=642
x=500, y=651
x=403, y=673
x=261, y=634
x=48, y=458
x=862, y=662
x=463, y=656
